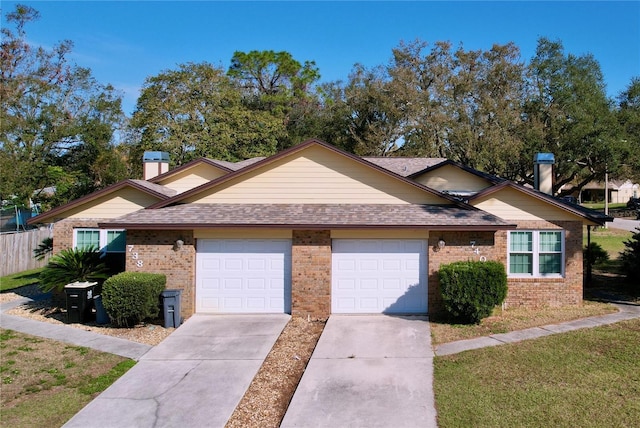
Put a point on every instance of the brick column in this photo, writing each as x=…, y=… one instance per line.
x=311, y=274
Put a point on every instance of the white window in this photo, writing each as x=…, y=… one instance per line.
x=535, y=253
x=108, y=241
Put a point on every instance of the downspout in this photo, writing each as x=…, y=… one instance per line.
x=588, y=277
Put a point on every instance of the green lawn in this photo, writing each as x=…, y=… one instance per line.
x=20, y=279
x=611, y=240
x=600, y=205
x=586, y=378
x=45, y=383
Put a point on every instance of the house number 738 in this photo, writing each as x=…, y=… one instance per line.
x=135, y=257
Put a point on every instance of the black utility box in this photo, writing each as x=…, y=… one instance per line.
x=79, y=300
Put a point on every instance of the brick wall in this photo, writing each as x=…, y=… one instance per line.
x=554, y=292
x=63, y=232
x=457, y=248
x=153, y=251
x=311, y=274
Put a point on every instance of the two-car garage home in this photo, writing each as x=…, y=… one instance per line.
x=314, y=230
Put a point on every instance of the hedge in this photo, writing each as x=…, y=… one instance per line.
x=471, y=290
x=132, y=297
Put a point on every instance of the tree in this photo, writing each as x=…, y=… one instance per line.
x=51, y=112
x=197, y=111
x=568, y=114
x=276, y=83
x=628, y=114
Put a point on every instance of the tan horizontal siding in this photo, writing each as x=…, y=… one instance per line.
x=449, y=177
x=121, y=202
x=380, y=234
x=318, y=176
x=193, y=177
x=509, y=204
x=239, y=233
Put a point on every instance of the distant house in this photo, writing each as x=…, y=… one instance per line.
x=314, y=230
x=620, y=191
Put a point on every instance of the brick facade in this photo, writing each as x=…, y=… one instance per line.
x=457, y=248
x=155, y=251
x=63, y=231
x=554, y=292
x=311, y=274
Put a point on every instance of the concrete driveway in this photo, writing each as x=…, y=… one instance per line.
x=194, y=378
x=367, y=371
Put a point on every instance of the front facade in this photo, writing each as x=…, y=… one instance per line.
x=313, y=231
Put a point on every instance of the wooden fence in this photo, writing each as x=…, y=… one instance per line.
x=16, y=250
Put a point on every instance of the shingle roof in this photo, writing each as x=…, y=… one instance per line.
x=234, y=166
x=314, y=216
x=404, y=166
x=156, y=188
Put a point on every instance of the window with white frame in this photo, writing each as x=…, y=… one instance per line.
x=108, y=241
x=534, y=253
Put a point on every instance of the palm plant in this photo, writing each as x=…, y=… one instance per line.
x=70, y=266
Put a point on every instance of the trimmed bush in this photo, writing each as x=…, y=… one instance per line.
x=471, y=290
x=132, y=297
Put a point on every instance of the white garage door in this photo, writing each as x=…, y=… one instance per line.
x=379, y=276
x=243, y=276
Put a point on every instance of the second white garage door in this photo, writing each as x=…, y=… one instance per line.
x=243, y=276
x=379, y=276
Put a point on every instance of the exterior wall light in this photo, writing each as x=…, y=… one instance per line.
x=440, y=245
x=178, y=245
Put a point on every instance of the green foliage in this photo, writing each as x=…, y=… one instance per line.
x=595, y=254
x=471, y=290
x=70, y=266
x=131, y=297
x=56, y=120
x=44, y=248
x=630, y=257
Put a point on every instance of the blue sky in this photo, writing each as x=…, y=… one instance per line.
x=125, y=42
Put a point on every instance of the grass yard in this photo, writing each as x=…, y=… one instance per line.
x=20, y=279
x=514, y=319
x=586, y=378
x=611, y=240
x=44, y=382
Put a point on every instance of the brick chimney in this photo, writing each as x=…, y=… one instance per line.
x=154, y=164
x=543, y=172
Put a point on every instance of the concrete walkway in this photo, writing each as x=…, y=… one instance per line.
x=627, y=312
x=195, y=378
x=66, y=334
x=367, y=371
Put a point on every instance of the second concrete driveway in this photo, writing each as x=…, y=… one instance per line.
x=367, y=371
x=194, y=378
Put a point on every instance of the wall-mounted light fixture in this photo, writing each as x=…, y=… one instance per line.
x=177, y=246
x=440, y=245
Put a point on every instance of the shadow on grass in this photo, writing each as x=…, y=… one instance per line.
x=607, y=285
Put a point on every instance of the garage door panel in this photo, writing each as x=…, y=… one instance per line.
x=379, y=276
x=243, y=276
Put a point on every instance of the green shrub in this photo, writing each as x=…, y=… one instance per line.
x=70, y=266
x=594, y=254
x=630, y=257
x=471, y=290
x=132, y=297
x=45, y=247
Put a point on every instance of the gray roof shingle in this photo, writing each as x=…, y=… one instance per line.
x=404, y=166
x=190, y=216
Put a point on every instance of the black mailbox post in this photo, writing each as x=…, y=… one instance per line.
x=171, y=308
x=79, y=300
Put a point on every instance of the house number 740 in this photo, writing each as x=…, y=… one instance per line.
x=134, y=256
